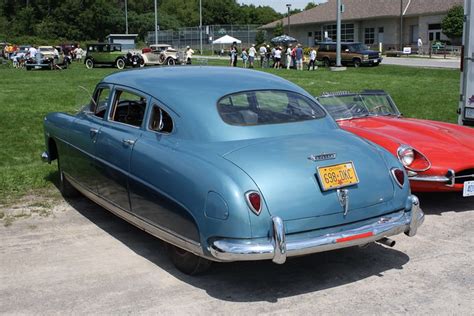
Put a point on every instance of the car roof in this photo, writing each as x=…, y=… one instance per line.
x=204, y=85
x=192, y=92
x=160, y=45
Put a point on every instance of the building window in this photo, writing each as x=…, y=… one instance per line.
x=310, y=34
x=347, y=32
x=381, y=29
x=317, y=36
x=369, y=35
x=434, y=27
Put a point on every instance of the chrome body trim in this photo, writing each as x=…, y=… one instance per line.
x=153, y=229
x=280, y=246
x=449, y=179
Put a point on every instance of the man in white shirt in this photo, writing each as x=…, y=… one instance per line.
x=312, y=59
x=262, y=52
x=420, y=46
x=288, y=57
x=252, y=53
x=32, y=52
x=189, y=55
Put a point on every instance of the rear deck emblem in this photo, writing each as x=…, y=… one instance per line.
x=322, y=156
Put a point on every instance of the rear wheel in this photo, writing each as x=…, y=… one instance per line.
x=357, y=62
x=89, y=63
x=28, y=68
x=65, y=187
x=188, y=262
x=120, y=63
x=170, y=61
x=326, y=62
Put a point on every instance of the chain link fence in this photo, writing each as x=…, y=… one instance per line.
x=190, y=36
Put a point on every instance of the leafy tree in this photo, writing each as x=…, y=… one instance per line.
x=310, y=5
x=259, y=38
x=452, y=24
x=278, y=30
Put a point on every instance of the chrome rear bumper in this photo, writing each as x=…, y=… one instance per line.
x=281, y=246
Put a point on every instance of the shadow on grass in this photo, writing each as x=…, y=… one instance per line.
x=254, y=281
x=53, y=177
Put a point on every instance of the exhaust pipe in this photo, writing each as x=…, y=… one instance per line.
x=386, y=241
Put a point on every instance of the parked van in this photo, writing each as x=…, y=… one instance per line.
x=356, y=54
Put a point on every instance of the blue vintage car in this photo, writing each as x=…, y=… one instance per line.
x=228, y=164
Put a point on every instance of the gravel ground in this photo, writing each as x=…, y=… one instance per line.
x=75, y=257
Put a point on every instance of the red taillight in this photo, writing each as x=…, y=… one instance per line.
x=254, y=201
x=399, y=176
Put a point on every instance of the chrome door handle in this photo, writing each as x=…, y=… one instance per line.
x=128, y=142
x=93, y=132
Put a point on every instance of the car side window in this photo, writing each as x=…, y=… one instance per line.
x=128, y=108
x=160, y=121
x=100, y=102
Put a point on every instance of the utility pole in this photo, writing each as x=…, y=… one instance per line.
x=126, y=18
x=401, y=25
x=156, y=23
x=288, y=6
x=340, y=9
x=338, y=34
x=200, y=24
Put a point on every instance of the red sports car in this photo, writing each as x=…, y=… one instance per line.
x=437, y=156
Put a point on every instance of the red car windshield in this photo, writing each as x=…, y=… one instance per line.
x=348, y=106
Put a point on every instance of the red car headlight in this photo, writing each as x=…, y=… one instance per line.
x=412, y=159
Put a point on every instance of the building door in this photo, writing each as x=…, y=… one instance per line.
x=380, y=37
x=414, y=34
x=434, y=32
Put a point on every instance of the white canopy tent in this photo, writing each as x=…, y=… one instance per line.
x=226, y=39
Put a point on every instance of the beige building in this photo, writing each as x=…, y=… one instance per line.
x=370, y=22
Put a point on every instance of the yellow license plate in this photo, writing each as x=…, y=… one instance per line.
x=337, y=176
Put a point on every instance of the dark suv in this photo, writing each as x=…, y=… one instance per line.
x=351, y=53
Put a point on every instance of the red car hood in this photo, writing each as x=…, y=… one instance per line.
x=445, y=145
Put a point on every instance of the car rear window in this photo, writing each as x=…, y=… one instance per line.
x=267, y=107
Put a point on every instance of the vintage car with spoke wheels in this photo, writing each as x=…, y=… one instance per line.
x=242, y=166
x=160, y=54
x=437, y=156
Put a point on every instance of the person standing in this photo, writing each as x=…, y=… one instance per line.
x=420, y=46
x=268, y=56
x=277, y=57
x=312, y=59
x=244, y=57
x=32, y=52
x=189, y=55
x=299, y=57
x=233, y=55
x=262, y=52
x=288, y=57
x=252, y=53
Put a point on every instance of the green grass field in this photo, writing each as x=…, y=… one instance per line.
x=25, y=98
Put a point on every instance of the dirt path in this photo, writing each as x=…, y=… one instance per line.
x=78, y=258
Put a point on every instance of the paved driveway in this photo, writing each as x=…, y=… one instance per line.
x=83, y=260
x=453, y=63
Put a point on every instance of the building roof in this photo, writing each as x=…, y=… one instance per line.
x=366, y=9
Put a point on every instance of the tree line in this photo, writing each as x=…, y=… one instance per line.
x=79, y=20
